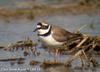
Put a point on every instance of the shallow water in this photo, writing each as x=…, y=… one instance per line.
x=44, y=2
x=19, y=29
x=27, y=4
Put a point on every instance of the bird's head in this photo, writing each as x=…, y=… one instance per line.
x=42, y=28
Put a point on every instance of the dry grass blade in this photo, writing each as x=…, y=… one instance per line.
x=84, y=40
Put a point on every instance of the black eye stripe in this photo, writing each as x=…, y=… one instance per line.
x=38, y=28
x=45, y=27
x=42, y=26
x=39, y=24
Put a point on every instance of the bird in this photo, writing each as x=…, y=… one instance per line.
x=52, y=35
x=56, y=36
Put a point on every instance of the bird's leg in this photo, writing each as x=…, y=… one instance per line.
x=56, y=55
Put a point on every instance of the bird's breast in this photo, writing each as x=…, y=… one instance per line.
x=49, y=40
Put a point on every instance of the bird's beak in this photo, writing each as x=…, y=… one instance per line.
x=35, y=30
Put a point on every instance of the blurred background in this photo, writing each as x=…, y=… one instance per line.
x=18, y=19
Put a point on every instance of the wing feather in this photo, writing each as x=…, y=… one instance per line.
x=60, y=34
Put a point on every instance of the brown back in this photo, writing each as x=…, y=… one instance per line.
x=61, y=34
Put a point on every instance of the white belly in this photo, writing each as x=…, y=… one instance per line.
x=49, y=40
